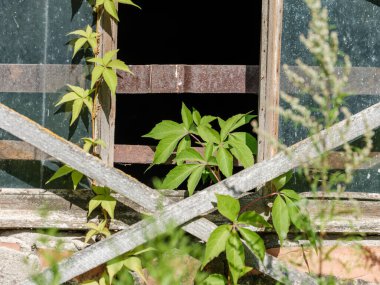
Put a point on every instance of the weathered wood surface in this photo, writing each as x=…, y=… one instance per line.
x=270, y=59
x=67, y=210
x=105, y=104
x=193, y=206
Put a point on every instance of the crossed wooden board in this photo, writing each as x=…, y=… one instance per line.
x=186, y=212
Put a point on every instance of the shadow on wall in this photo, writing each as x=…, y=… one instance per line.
x=376, y=2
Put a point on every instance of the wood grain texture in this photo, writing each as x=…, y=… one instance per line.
x=182, y=211
x=105, y=105
x=270, y=60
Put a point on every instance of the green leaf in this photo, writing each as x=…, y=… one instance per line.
x=165, y=148
x=177, y=175
x=281, y=181
x=216, y=243
x=109, y=204
x=291, y=194
x=215, y=279
x=196, y=117
x=81, y=33
x=111, y=79
x=235, y=256
x=88, y=102
x=100, y=190
x=190, y=155
x=77, y=108
x=245, y=120
x=225, y=161
x=67, y=98
x=294, y=214
x=280, y=217
x=241, y=151
x=113, y=267
x=95, y=74
x=247, y=139
x=118, y=64
x=109, y=6
x=166, y=128
x=209, y=150
x=206, y=120
x=229, y=125
x=208, y=134
x=253, y=219
x=89, y=235
x=187, y=117
x=109, y=55
x=62, y=171
x=97, y=60
x=93, y=43
x=94, y=203
x=133, y=263
x=254, y=242
x=184, y=144
x=79, y=43
x=76, y=177
x=221, y=122
x=129, y=2
x=194, y=179
x=228, y=206
x=90, y=282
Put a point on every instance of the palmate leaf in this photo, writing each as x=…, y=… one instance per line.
x=79, y=43
x=196, y=117
x=111, y=79
x=208, y=134
x=225, y=161
x=187, y=117
x=71, y=96
x=77, y=108
x=215, y=279
x=228, y=206
x=96, y=74
x=235, y=256
x=190, y=155
x=165, y=148
x=281, y=181
x=229, y=125
x=216, y=243
x=133, y=263
x=246, y=139
x=118, y=64
x=291, y=194
x=280, y=217
x=241, y=151
x=178, y=175
x=76, y=177
x=254, y=242
x=129, y=2
x=62, y=171
x=254, y=219
x=109, y=56
x=114, y=266
x=194, y=179
x=166, y=128
x=109, y=204
x=184, y=144
x=110, y=7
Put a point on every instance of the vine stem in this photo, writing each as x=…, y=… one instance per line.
x=258, y=199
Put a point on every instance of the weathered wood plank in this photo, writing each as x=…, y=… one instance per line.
x=67, y=210
x=193, y=206
x=270, y=59
x=105, y=104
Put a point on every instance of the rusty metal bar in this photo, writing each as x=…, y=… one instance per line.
x=27, y=78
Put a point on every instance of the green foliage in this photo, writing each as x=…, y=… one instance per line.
x=105, y=69
x=118, y=270
x=220, y=147
x=110, y=8
x=87, y=38
x=103, y=199
x=228, y=238
x=215, y=279
x=75, y=175
x=78, y=98
x=97, y=229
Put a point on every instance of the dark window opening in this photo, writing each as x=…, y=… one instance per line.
x=190, y=32
x=137, y=114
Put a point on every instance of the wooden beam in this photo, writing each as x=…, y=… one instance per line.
x=105, y=105
x=180, y=212
x=270, y=61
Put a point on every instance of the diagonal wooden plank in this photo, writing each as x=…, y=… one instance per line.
x=187, y=209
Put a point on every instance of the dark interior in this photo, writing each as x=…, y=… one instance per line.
x=183, y=32
x=190, y=32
